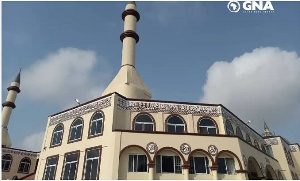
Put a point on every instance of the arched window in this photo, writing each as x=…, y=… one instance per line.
x=256, y=144
x=143, y=122
x=226, y=166
x=24, y=166
x=248, y=139
x=57, y=135
x=229, y=128
x=96, y=124
x=263, y=148
x=6, y=162
x=199, y=165
x=175, y=124
x=239, y=132
x=207, y=126
x=76, y=130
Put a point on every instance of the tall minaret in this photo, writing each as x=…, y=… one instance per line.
x=127, y=82
x=8, y=106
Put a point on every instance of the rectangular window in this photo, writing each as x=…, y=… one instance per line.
x=91, y=166
x=226, y=166
x=199, y=165
x=168, y=164
x=137, y=163
x=96, y=127
x=70, y=166
x=51, y=164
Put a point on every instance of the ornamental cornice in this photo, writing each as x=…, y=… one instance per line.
x=81, y=110
x=172, y=108
x=20, y=152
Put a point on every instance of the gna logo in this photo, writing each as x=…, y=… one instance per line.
x=251, y=6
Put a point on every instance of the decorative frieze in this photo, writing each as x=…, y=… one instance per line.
x=185, y=148
x=81, y=110
x=213, y=150
x=172, y=108
x=152, y=147
x=293, y=148
x=271, y=141
x=245, y=160
x=20, y=152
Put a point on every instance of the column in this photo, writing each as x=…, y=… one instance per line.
x=151, y=167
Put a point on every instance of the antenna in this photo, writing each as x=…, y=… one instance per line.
x=77, y=101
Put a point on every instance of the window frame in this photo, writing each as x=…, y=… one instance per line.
x=63, y=166
x=227, y=123
x=144, y=113
x=70, y=131
x=180, y=117
x=90, y=124
x=240, y=131
x=174, y=164
x=205, y=117
x=227, y=165
x=54, y=156
x=11, y=160
x=137, y=154
x=62, y=135
x=85, y=161
x=207, y=167
x=26, y=163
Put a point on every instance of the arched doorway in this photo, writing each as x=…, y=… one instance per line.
x=254, y=169
x=270, y=173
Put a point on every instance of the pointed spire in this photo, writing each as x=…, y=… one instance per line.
x=267, y=131
x=18, y=77
x=266, y=128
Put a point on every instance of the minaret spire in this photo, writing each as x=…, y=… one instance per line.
x=127, y=82
x=8, y=106
x=267, y=131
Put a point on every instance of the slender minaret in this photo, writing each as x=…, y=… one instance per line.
x=8, y=106
x=127, y=82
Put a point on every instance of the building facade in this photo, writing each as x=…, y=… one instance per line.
x=126, y=135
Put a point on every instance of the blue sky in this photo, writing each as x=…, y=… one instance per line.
x=188, y=51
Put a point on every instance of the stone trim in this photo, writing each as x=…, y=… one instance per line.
x=81, y=110
x=130, y=33
x=9, y=104
x=14, y=88
x=131, y=12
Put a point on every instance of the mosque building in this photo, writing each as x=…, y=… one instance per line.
x=125, y=134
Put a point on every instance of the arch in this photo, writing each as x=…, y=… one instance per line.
x=54, y=131
x=15, y=177
x=24, y=165
x=74, y=121
x=175, y=115
x=174, y=150
x=254, y=169
x=263, y=148
x=207, y=117
x=231, y=154
x=270, y=173
x=137, y=146
x=239, y=132
x=144, y=113
x=90, y=123
x=229, y=128
x=8, y=161
x=248, y=139
x=280, y=176
x=205, y=153
x=256, y=144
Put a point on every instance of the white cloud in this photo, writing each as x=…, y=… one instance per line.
x=64, y=75
x=166, y=12
x=263, y=84
x=33, y=142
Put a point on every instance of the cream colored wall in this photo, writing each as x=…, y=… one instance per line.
x=15, y=166
x=296, y=159
x=109, y=140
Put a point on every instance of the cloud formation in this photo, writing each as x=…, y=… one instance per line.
x=33, y=142
x=262, y=84
x=64, y=75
